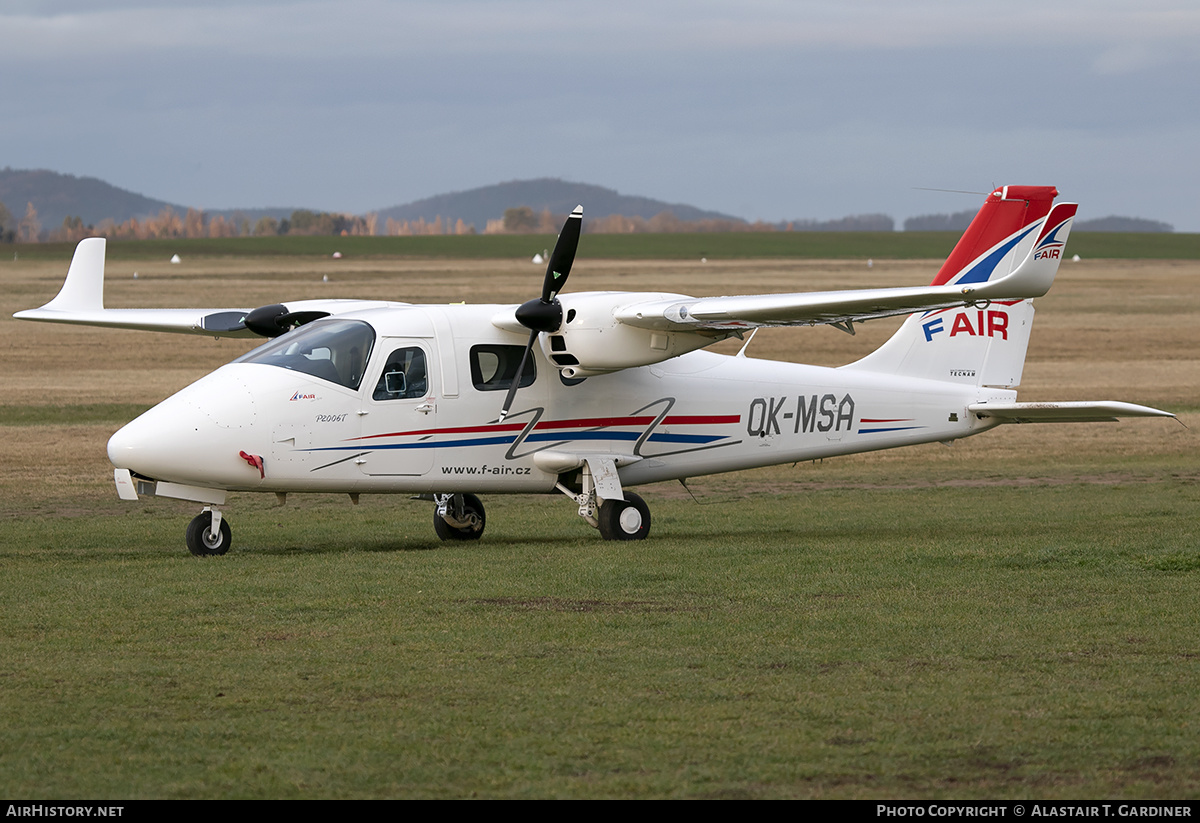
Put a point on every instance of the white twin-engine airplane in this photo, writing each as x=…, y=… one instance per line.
x=362, y=396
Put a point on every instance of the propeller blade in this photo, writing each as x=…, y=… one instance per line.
x=264, y=321
x=512, y=390
x=563, y=256
x=275, y=319
x=546, y=314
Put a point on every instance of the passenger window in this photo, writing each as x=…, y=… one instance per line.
x=404, y=376
x=494, y=367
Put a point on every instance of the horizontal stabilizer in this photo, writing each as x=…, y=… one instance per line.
x=1067, y=412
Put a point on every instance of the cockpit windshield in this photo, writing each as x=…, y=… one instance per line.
x=333, y=350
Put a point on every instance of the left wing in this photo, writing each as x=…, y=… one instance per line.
x=81, y=302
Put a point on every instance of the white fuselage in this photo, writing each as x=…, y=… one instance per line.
x=695, y=414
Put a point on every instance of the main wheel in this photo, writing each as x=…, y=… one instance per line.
x=627, y=519
x=203, y=544
x=472, y=511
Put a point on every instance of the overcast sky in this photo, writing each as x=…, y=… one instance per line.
x=766, y=110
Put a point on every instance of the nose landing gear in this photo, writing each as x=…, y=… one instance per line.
x=208, y=534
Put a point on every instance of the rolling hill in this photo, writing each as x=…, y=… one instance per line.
x=56, y=196
x=477, y=206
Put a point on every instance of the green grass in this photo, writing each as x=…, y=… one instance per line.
x=80, y=413
x=723, y=246
x=944, y=643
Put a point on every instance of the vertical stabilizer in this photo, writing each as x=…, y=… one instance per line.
x=1018, y=232
x=968, y=345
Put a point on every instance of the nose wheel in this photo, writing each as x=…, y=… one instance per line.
x=208, y=534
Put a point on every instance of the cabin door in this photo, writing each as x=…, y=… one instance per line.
x=399, y=409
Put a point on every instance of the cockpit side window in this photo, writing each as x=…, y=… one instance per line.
x=494, y=367
x=405, y=376
x=333, y=350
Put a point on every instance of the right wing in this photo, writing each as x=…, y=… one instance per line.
x=989, y=278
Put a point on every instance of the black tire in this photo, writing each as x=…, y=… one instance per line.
x=627, y=519
x=471, y=505
x=201, y=543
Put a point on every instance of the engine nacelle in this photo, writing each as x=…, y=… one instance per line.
x=592, y=341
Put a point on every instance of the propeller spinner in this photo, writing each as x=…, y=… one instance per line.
x=545, y=314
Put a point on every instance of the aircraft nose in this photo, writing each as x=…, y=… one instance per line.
x=194, y=436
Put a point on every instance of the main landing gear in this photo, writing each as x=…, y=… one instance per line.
x=627, y=519
x=462, y=517
x=618, y=514
x=458, y=517
x=596, y=490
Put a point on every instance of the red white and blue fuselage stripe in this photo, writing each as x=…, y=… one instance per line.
x=590, y=429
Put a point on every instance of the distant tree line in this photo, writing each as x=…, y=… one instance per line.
x=25, y=230
x=193, y=223
x=1126, y=224
x=410, y=228
x=940, y=222
x=523, y=220
x=855, y=222
x=516, y=220
x=959, y=221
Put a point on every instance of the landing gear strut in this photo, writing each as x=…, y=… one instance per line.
x=458, y=517
x=601, y=505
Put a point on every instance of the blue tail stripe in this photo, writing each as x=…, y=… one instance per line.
x=982, y=271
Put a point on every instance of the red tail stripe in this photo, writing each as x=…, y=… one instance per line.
x=1005, y=212
x=1058, y=215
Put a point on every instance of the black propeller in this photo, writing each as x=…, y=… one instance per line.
x=265, y=321
x=545, y=313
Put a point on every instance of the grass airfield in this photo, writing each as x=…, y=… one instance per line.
x=1010, y=617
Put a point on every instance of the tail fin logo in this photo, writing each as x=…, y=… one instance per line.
x=1050, y=247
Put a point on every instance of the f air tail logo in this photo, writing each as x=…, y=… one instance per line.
x=1050, y=248
x=980, y=323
